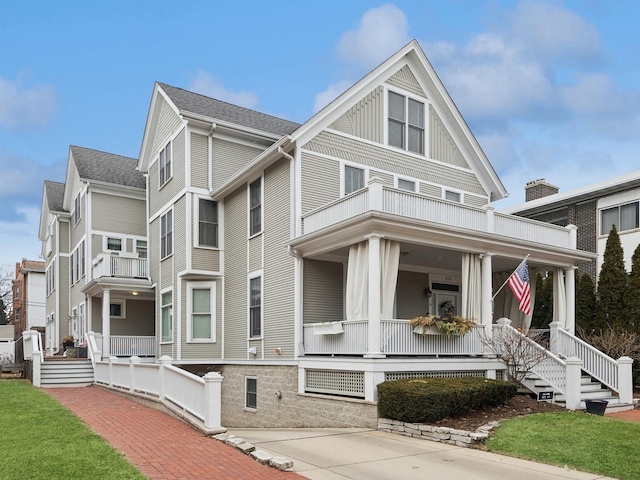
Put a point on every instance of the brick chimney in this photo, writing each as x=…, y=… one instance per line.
x=539, y=189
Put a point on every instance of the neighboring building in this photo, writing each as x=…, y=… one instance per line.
x=94, y=242
x=29, y=297
x=593, y=209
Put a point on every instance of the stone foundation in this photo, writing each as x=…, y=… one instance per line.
x=461, y=438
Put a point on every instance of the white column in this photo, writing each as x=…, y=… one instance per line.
x=570, y=291
x=574, y=369
x=486, y=312
x=373, y=347
x=106, y=322
x=625, y=380
x=212, y=401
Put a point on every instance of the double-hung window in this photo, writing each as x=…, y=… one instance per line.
x=141, y=248
x=114, y=244
x=624, y=217
x=166, y=234
x=202, y=311
x=255, y=207
x=207, y=223
x=255, y=307
x=77, y=213
x=166, y=313
x=406, y=123
x=164, y=162
x=353, y=179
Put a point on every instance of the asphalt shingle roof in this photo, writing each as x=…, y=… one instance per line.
x=219, y=110
x=107, y=167
x=55, y=195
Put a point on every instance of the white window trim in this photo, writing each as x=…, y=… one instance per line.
x=168, y=145
x=246, y=407
x=342, y=175
x=251, y=276
x=417, y=98
x=105, y=243
x=618, y=206
x=191, y=286
x=137, y=248
x=249, y=234
x=172, y=232
x=123, y=304
x=196, y=224
x=415, y=184
x=452, y=190
x=163, y=292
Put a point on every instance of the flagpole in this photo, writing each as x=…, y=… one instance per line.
x=505, y=282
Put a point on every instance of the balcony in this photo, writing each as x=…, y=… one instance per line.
x=381, y=198
x=113, y=265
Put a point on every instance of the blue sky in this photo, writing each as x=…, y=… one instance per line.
x=551, y=89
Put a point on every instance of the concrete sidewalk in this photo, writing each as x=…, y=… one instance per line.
x=338, y=454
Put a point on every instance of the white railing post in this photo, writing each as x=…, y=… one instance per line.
x=573, y=236
x=491, y=224
x=212, y=400
x=132, y=372
x=625, y=380
x=376, y=194
x=574, y=371
x=36, y=374
x=163, y=361
x=554, y=337
x=112, y=360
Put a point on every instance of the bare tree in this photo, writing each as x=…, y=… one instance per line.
x=6, y=293
x=615, y=343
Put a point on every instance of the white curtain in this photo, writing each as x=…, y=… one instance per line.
x=389, y=261
x=506, y=305
x=471, y=286
x=358, y=282
x=559, y=297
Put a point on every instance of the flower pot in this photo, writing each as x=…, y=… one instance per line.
x=422, y=330
x=596, y=407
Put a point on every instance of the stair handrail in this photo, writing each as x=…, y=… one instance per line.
x=93, y=352
x=597, y=364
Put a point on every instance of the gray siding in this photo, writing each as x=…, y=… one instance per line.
x=235, y=312
x=255, y=252
x=180, y=232
x=320, y=181
x=228, y=158
x=431, y=190
x=139, y=320
x=405, y=79
x=112, y=213
x=365, y=118
x=168, y=123
x=393, y=161
x=475, y=201
x=96, y=245
x=64, y=236
x=158, y=198
x=63, y=295
x=166, y=273
x=441, y=145
x=279, y=284
x=410, y=300
x=323, y=288
x=205, y=259
x=386, y=178
x=199, y=160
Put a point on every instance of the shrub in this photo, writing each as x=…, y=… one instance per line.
x=420, y=400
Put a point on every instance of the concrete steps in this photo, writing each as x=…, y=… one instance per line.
x=65, y=373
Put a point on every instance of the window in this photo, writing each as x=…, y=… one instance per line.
x=166, y=308
x=50, y=279
x=141, y=248
x=624, y=217
x=116, y=310
x=77, y=213
x=77, y=263
x=72, y=273
x=202, y=311
x=114, y=244
x=82, y=259
x=166, y=234
x=255, y=307
x=207, y=223
x=353, y=179
x=164, y=161
x=255, y=207
x=17, y=291
x=452, y=196
x=251, y=392
x=406, y=185
x=406, y=131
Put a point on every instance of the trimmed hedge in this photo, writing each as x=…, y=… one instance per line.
x=427, y=400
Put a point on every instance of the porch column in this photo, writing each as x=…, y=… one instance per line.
x=373, y=337
x=486, y=311
x=106, y=322
x=570, y=289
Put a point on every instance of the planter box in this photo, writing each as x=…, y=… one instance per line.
x=432, y=330
x=328, y=328
x=596, y=407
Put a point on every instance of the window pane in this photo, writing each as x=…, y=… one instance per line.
x=416, y=140
x=166, y=299
x=201, y=300
x=255, y=218
x=629, y=216
x=208, y=235
x=115, y=310
x=353, y=179
x=255, y=193
x=255, y=291
x=114, y=244
x=416, y=113
x=251, y=389
x=609, y=218
x=168, y=162
x=396, y=106
x=396, y=134
x=202, y=326
x=208, y=211
x=453, y=196
x=406, y=185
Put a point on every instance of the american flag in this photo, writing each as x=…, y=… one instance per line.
x=521, y=287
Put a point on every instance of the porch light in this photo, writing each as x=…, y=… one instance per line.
x=427, y=292
x=135, y=294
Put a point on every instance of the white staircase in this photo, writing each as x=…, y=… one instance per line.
x=66, y=373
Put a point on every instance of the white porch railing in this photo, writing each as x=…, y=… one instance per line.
x=353, y=340
x=177, y=389
x=33, y=351
x=130, y=345
x=408, y=204
x=112, y=265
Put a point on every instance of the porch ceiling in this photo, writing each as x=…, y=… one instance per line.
x=142, y=288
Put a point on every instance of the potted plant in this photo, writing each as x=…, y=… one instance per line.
x=67, y=342
x=446, y=322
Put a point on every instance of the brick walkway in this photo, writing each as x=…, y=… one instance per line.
x=159, y=445
x=629, y=415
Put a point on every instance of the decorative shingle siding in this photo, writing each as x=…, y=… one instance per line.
x=475, y=201
x=441, y=144
x=405, y=79
x=365, y=119
x=320, y=181
x=431, y=190
x=322, y=291
x=199, y=160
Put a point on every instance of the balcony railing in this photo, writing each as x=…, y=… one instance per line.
x=108, y=265
x=125, y=345
x=378, y=197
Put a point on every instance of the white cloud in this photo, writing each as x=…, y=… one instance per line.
x=333, y=91
x=20, y=239
x=380, y=33
x=212, y=86
x=22, y=106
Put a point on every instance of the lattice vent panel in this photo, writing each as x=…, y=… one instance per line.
x=462, y=373
x=335, y=382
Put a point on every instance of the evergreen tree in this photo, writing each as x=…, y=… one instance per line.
x=632, y=294
x=586, y=304
x=543, y=308
x=612, y=284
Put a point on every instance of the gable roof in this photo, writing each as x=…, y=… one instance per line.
x=190, y=102
x=55, y=195
x=106, y=167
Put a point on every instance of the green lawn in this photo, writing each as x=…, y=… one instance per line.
x=43, y=440
x=578, y=440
